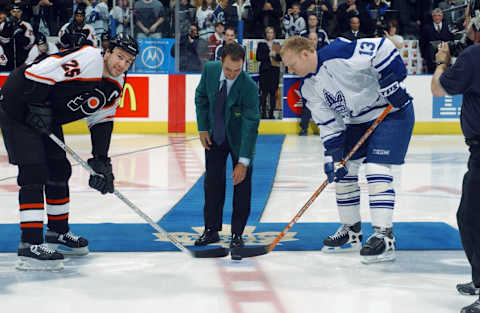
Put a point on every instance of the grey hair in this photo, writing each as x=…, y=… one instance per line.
x=437, y=10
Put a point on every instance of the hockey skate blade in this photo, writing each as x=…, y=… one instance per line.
x=249, y=252
x=67, y=250
x=384, y=257
x=210, y=253
x=29, y=264
x=342, y=249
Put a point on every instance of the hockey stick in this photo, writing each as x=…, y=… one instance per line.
x=256, y=251
x=209, y=253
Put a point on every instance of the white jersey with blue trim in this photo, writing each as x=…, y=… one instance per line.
x=345, y=89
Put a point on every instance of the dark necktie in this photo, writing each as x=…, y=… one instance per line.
x=219, y=123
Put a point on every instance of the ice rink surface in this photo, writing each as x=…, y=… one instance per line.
x=156, y=171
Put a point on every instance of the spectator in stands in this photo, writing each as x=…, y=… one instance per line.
x=432, y=34
x=41, y=17
x=186, y=16
x=349, y=9
x=189, y=52
x=377, y=10
x=215, y=40
x=226, y=13
x=76, y=3
x=312, y=27
x=316, y=42
x=41, y=49
x=205, y=19
x=323, y=10
x=454, y=17
x=120, y=16
x=77, y=33
x=149, y=15
x=472, y=7
x=229, y=37
x=266, y=13
x=5, y=34
x=354, y=32
x=268, y=53
x=105, y=40
x=22, y=38
x=98, y=17
x=391, y=33
x=293, y=23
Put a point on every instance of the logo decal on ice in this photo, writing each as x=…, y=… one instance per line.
x=250, y=238
x=336, y=102
x=152, y=57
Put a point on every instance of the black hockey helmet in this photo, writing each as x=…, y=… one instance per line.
x=81, y=9
x=41, y=39
x=106, y=36
x=16, y=7
x=124, y=42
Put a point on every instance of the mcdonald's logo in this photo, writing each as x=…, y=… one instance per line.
x=128, y=90
x=134, y=100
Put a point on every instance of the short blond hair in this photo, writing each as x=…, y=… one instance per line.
x=297, y=44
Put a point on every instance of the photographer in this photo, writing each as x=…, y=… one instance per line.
x=391, y=34
x=435, y=31
x=20, y=38
x=464, y=78
x=77, y=33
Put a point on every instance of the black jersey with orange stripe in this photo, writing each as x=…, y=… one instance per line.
x=71, y=81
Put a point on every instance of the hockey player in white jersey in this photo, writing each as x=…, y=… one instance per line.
x=37, y=99
x=347, y=85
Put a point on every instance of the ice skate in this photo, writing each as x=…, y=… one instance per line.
x=347, y=238
x=380, y=247
x=472, y=308
x=68, y=243
x=38, y=258
x=468, y=289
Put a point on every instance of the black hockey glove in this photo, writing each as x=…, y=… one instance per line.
x=40, y=117
x=104, y=181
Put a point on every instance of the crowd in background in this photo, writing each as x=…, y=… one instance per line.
x=203, y=23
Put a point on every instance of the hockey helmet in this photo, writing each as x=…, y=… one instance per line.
x=124, y=42
x=16, y=7
x=41, y=39
x=105, y=36
x=80, y=9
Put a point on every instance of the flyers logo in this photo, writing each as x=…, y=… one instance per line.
x=71, y=68
x=88, y=102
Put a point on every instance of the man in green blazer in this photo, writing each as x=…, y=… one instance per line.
x=226, y=100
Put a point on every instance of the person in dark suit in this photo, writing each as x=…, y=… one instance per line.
x=226, y=102
x=354, y=33
x=349, y=9
x=436, y=31
x=268, y=53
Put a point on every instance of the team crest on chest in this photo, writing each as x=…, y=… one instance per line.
x=336, y=102
x=88, y=102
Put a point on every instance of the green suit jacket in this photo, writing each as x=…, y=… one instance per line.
x=242, y=115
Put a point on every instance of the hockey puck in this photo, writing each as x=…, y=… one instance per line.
x=236, y=257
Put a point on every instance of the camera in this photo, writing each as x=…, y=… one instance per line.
x=455, y=46
x=381, y=28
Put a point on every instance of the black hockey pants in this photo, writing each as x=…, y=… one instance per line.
x=468, y=214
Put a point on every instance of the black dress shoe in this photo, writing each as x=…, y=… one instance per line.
x=208, y=236
x=237, y=241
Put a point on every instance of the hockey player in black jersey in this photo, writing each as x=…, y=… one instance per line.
x=37, y=99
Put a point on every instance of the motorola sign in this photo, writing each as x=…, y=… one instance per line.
x=154, y=56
